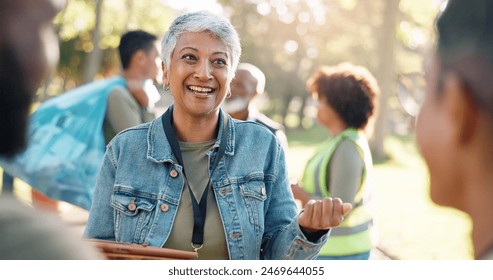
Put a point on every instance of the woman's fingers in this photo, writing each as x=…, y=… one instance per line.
x=346, y=208
x=324, y=214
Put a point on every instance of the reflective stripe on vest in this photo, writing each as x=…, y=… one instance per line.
x=352, y=236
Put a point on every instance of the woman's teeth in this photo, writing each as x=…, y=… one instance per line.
x=200, y=90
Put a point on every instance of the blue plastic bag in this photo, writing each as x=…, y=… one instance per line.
x=66, y=144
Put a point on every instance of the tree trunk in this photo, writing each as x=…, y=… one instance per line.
x=385, y=76
x=93, y=59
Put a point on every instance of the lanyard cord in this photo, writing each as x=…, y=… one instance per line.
x=199, y=209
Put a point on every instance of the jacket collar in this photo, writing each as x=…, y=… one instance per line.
x=159, y=150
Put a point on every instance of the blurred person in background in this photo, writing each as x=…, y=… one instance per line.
x=249, y=82
x=28, y=51
x=455, y=124
x=342, y=166
x=128, y=105
x=132, y=105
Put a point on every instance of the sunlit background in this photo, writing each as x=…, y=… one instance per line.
x=288, y=40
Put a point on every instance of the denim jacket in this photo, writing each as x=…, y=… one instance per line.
x=140, y=185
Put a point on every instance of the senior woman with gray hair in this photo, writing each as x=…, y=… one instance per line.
x=197, y=180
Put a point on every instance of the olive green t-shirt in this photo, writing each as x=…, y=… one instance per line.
x=122, y=112
x=195, y=160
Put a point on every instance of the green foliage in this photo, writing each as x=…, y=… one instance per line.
x=76, y=23
x=76, y=18
x=286, y=39
x=289, y=39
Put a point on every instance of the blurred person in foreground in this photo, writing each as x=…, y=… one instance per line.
x=342, y=166
x=195, y=179
x=28, y=50
x=455, y=124
x=128, y=104
x=248, y=83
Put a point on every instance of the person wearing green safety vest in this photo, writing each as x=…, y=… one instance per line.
x=342, y=166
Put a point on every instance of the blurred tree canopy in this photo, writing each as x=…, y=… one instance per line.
x=90, y=30
x=290, y=39
x=287, y=39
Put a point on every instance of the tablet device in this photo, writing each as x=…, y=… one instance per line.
x=128, y=251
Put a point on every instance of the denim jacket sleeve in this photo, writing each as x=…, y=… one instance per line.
x=283, y=238
x=100, y=224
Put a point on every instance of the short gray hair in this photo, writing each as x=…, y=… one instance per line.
x=202, y=21
x=256, y=73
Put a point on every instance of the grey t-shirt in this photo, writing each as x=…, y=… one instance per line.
x=195, y=160
x=345, y=171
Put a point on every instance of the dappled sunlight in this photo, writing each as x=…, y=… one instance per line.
x=287, y=40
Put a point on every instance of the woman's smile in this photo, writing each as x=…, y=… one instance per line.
x=199, y=73
x=201, y=91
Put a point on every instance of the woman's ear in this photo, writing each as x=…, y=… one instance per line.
x=166, y=81
x=462, y=110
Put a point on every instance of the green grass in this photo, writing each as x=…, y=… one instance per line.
x=409, y=225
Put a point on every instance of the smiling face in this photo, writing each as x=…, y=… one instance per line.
x=199, y=74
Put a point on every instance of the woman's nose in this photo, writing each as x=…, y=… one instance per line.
x=203, y=71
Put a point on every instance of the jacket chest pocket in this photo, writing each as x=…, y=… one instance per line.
x=254, y=194
x=133, y=216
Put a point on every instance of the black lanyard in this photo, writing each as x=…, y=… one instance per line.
x=199, y=209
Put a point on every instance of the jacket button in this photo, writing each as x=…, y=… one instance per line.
x=164, y=207
x=173, y=173
x=262, y=191
x=132, y=206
